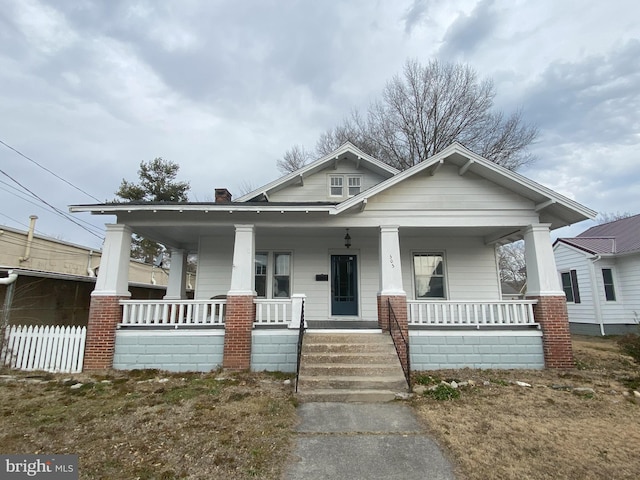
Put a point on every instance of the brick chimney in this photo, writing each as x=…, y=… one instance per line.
x=223, y=195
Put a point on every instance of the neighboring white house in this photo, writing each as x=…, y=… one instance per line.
x=600, y=274
x=352, y=235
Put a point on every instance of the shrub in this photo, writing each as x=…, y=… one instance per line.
x=630, y=345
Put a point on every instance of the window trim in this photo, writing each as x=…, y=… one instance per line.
x=354, y=177
x=573, y=285
x=270, y=272
x=344, y=184
x=445, y=274
x=611, y=292
x=332, y=186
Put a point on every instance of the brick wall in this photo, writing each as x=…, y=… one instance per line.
x=551, y=314
x=104, y=315
x=240, y=314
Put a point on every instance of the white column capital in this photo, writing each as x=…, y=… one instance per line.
x=244, y=252
x=113, y=274
x=177, y=287
x=542, y=274
x=390, y=261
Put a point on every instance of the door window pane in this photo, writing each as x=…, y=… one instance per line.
x=429, y=275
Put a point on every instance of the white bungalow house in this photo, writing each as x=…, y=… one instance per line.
x=600, y=274
x=351, y=238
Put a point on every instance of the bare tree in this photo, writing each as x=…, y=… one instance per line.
x=425, y=110
x=511, y=262
x=293, y=159
x=606, y=217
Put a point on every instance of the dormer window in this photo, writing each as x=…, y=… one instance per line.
x=336, y=189
x=337, y=184
x=355, y=184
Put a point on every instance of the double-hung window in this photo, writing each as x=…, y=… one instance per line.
x=273, y=274
x=336, y=189
x=570, y=286
x=428, y=270
x=355, y=184
x=609, y=290
x=345, y=185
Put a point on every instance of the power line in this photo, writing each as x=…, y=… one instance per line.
x=14, y=220
x=55, y=209
x=47, y=170
x=21, y=196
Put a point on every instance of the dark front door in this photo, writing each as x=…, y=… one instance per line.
x=344, y=285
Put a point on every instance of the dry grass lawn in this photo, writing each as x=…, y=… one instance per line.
x=148, y=425
x=153, y=425
x=546, y=431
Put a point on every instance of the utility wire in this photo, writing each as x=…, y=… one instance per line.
x=21, y=195
x=55, y=209
x=47, y=170
x=14, y=220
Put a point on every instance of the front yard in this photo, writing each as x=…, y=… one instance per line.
x=584, y=423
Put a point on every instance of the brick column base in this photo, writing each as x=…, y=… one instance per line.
x=104, y=315
x=399, y=306
x=238, y=324
x=551, y=314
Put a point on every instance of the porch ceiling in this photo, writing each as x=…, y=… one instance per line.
x=187, y=236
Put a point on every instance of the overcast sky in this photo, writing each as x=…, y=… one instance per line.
x=89, y=89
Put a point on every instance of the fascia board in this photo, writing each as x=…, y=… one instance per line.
x=113, y=209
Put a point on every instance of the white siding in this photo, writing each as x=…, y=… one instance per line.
x=471, y=271
x=316, y=186
x=215, y=257
x=629, y=286
x=567, y=259
x=470, y=266
x=612, y=311
x=447, y=190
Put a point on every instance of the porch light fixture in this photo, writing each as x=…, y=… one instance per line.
x=347, y=239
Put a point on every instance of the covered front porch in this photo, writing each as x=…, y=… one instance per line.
x=243, y=269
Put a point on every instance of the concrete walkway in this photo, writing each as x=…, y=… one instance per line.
x=367, y=441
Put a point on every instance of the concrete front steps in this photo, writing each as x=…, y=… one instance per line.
x=349, y=367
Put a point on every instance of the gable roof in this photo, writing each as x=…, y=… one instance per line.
x=553, y=207
x=346, y=151
x=612, y=238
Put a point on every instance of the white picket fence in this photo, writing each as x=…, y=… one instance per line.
x=50, y=348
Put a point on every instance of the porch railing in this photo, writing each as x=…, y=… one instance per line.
x=301, y=331
x=471, y=313
x=172, y=312
x=272, y=311
x=401, y=343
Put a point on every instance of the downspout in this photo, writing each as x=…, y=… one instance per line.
x=8, y=300
x=594, y=292
x=90, y=271
x=27, y=250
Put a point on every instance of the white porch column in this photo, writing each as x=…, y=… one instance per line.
x=390, y=264
x=113, y=274
x=542, y=274
x=177, y=287
x=242, y=278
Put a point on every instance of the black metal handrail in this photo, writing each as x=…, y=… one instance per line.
x=300, y=338
x=393, y=322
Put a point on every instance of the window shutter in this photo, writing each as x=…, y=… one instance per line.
x=574, y=283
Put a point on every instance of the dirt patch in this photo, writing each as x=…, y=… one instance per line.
x=581, y=423
x=150, y=425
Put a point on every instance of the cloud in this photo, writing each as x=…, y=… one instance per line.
x=594, y=99
x=414, y=15
x=468, y=32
